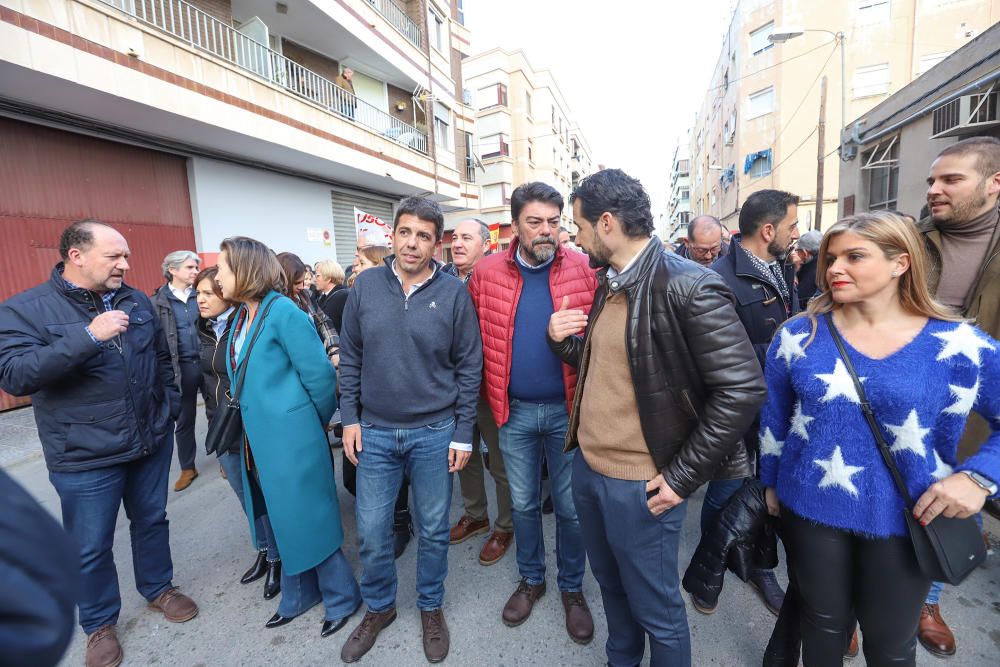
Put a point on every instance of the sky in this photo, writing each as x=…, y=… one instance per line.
x=633, y=72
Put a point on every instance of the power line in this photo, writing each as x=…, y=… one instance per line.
x=777, y=64
x=789, y=155
x=788, y=122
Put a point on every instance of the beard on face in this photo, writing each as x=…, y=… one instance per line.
x=599, y=255
x=539, y=251
x=777, y=250
x=964, y=211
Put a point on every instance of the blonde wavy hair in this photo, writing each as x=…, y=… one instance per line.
x=374, y=254
x=894, y=236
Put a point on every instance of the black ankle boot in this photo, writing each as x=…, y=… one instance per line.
x=402, y=528
x=272, y=583
x=257, y=570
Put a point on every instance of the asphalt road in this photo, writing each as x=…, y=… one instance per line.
x=210, y=546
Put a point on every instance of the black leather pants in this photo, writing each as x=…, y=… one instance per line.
x=841, y=576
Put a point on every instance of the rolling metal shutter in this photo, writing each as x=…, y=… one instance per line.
x=344, y=202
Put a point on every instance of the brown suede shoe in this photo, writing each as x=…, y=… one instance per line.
x=518, y=607
x=933, y=633
x=175, y=606
x=467, y=527
x=364, y=636
x=495, y=547
x=436, y=637
x=103, y=649
x=184, y=481
x=579, y=622
x=853, y=648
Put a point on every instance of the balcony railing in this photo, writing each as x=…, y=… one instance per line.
x=396, y=15
x=205, y=32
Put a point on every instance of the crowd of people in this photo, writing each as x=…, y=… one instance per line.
x=767, y=366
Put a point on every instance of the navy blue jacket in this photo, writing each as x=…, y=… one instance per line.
x=95, y=406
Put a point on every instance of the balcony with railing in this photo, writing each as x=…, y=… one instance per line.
x=205, y=32
x=397, y=18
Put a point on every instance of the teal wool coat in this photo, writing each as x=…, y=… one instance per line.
x=288, y=397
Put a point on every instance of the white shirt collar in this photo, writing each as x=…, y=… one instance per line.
x=414, y=287
x=182, y=295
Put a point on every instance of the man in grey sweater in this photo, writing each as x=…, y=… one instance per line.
x=410, y=365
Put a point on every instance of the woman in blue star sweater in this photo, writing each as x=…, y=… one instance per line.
x=923, y=370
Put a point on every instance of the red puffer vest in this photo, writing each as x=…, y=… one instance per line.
x=495, y=289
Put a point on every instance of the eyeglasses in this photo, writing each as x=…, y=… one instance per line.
x=705, y=250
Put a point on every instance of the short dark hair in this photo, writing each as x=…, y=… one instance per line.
x=79, y=235
x=696, y=222
x=765, y=207
x=615, y=192
x=424, y=209
x=986, y=150
x=526, y=193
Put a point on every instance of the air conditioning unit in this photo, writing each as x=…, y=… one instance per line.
x=969, y=114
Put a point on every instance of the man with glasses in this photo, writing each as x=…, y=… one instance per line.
x=705, y=242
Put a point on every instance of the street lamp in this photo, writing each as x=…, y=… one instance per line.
x=782, y=35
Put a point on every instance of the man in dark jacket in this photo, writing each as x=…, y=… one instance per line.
x=762, y=278
x=705, y=242
x=808, y=249
x=667, y=385
x=178, y=312
x=94, y=359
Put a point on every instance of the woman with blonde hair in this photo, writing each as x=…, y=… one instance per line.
x=922, y=369
x=287, y=399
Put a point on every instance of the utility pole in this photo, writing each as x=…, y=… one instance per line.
x=820, y=152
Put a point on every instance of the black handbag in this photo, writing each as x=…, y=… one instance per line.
x=947, y=549
x=226, y=425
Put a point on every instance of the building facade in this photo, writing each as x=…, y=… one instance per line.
x=890, y=148
x=679, y=204
x=525, y=131
x=759, y=125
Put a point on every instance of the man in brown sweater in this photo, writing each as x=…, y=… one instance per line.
x=668, y=382
x=962, y=233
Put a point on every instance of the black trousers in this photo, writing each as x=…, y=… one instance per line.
x=191, y=379
x=841, y=576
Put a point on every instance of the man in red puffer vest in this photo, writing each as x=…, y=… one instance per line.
x=530, y=391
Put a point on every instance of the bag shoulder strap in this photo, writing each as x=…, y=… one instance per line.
x=866, y=408
x=241, y=371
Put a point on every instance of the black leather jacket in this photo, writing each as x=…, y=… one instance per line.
x=697, y=382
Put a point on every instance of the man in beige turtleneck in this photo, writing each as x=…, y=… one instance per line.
x=962, y=233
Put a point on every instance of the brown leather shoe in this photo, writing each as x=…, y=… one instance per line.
x=579, y=622
x=364, y=636
x=184, y=481
x=853, y=648
x=495, y=547
x=436, y=637
x=467, y=527
x=103, y=649
x=518, y=607
x=933, y=633
x=175, y=606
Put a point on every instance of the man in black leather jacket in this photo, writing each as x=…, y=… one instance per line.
x=668, y=383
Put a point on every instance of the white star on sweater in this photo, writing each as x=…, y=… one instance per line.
x=941, y=469
x=964, y=340
x=839, y=383
x=769, y=445
x=800, y=421
x=965, y=398
x=790, y=348
x=909, y=435
x=838, y=473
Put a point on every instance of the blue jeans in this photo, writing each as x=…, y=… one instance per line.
x=332, y=581
x=90, y=501
x=633, y=556
x=717, y=494
x=233, y=465
x=531, y=429
x=422, y=455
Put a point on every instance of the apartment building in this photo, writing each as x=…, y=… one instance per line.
x=186, y=121
x=758, y=124
x=889, y=149
x=525, y=131
x=679, y=204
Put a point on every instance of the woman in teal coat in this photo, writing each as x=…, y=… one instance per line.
x=287, y=399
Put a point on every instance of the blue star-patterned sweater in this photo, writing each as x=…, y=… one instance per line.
x=817, y=450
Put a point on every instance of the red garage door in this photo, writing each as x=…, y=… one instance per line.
x=49, y=178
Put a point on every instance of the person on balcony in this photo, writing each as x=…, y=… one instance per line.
x=348, y=103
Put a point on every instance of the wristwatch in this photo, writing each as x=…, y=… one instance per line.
x=984, y=483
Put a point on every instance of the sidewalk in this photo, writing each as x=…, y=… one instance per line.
x=211, y=550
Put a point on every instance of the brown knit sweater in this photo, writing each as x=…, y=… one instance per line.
x=610, y=433
x=963, y=249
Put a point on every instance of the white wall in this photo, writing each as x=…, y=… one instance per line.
x=232, y=200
